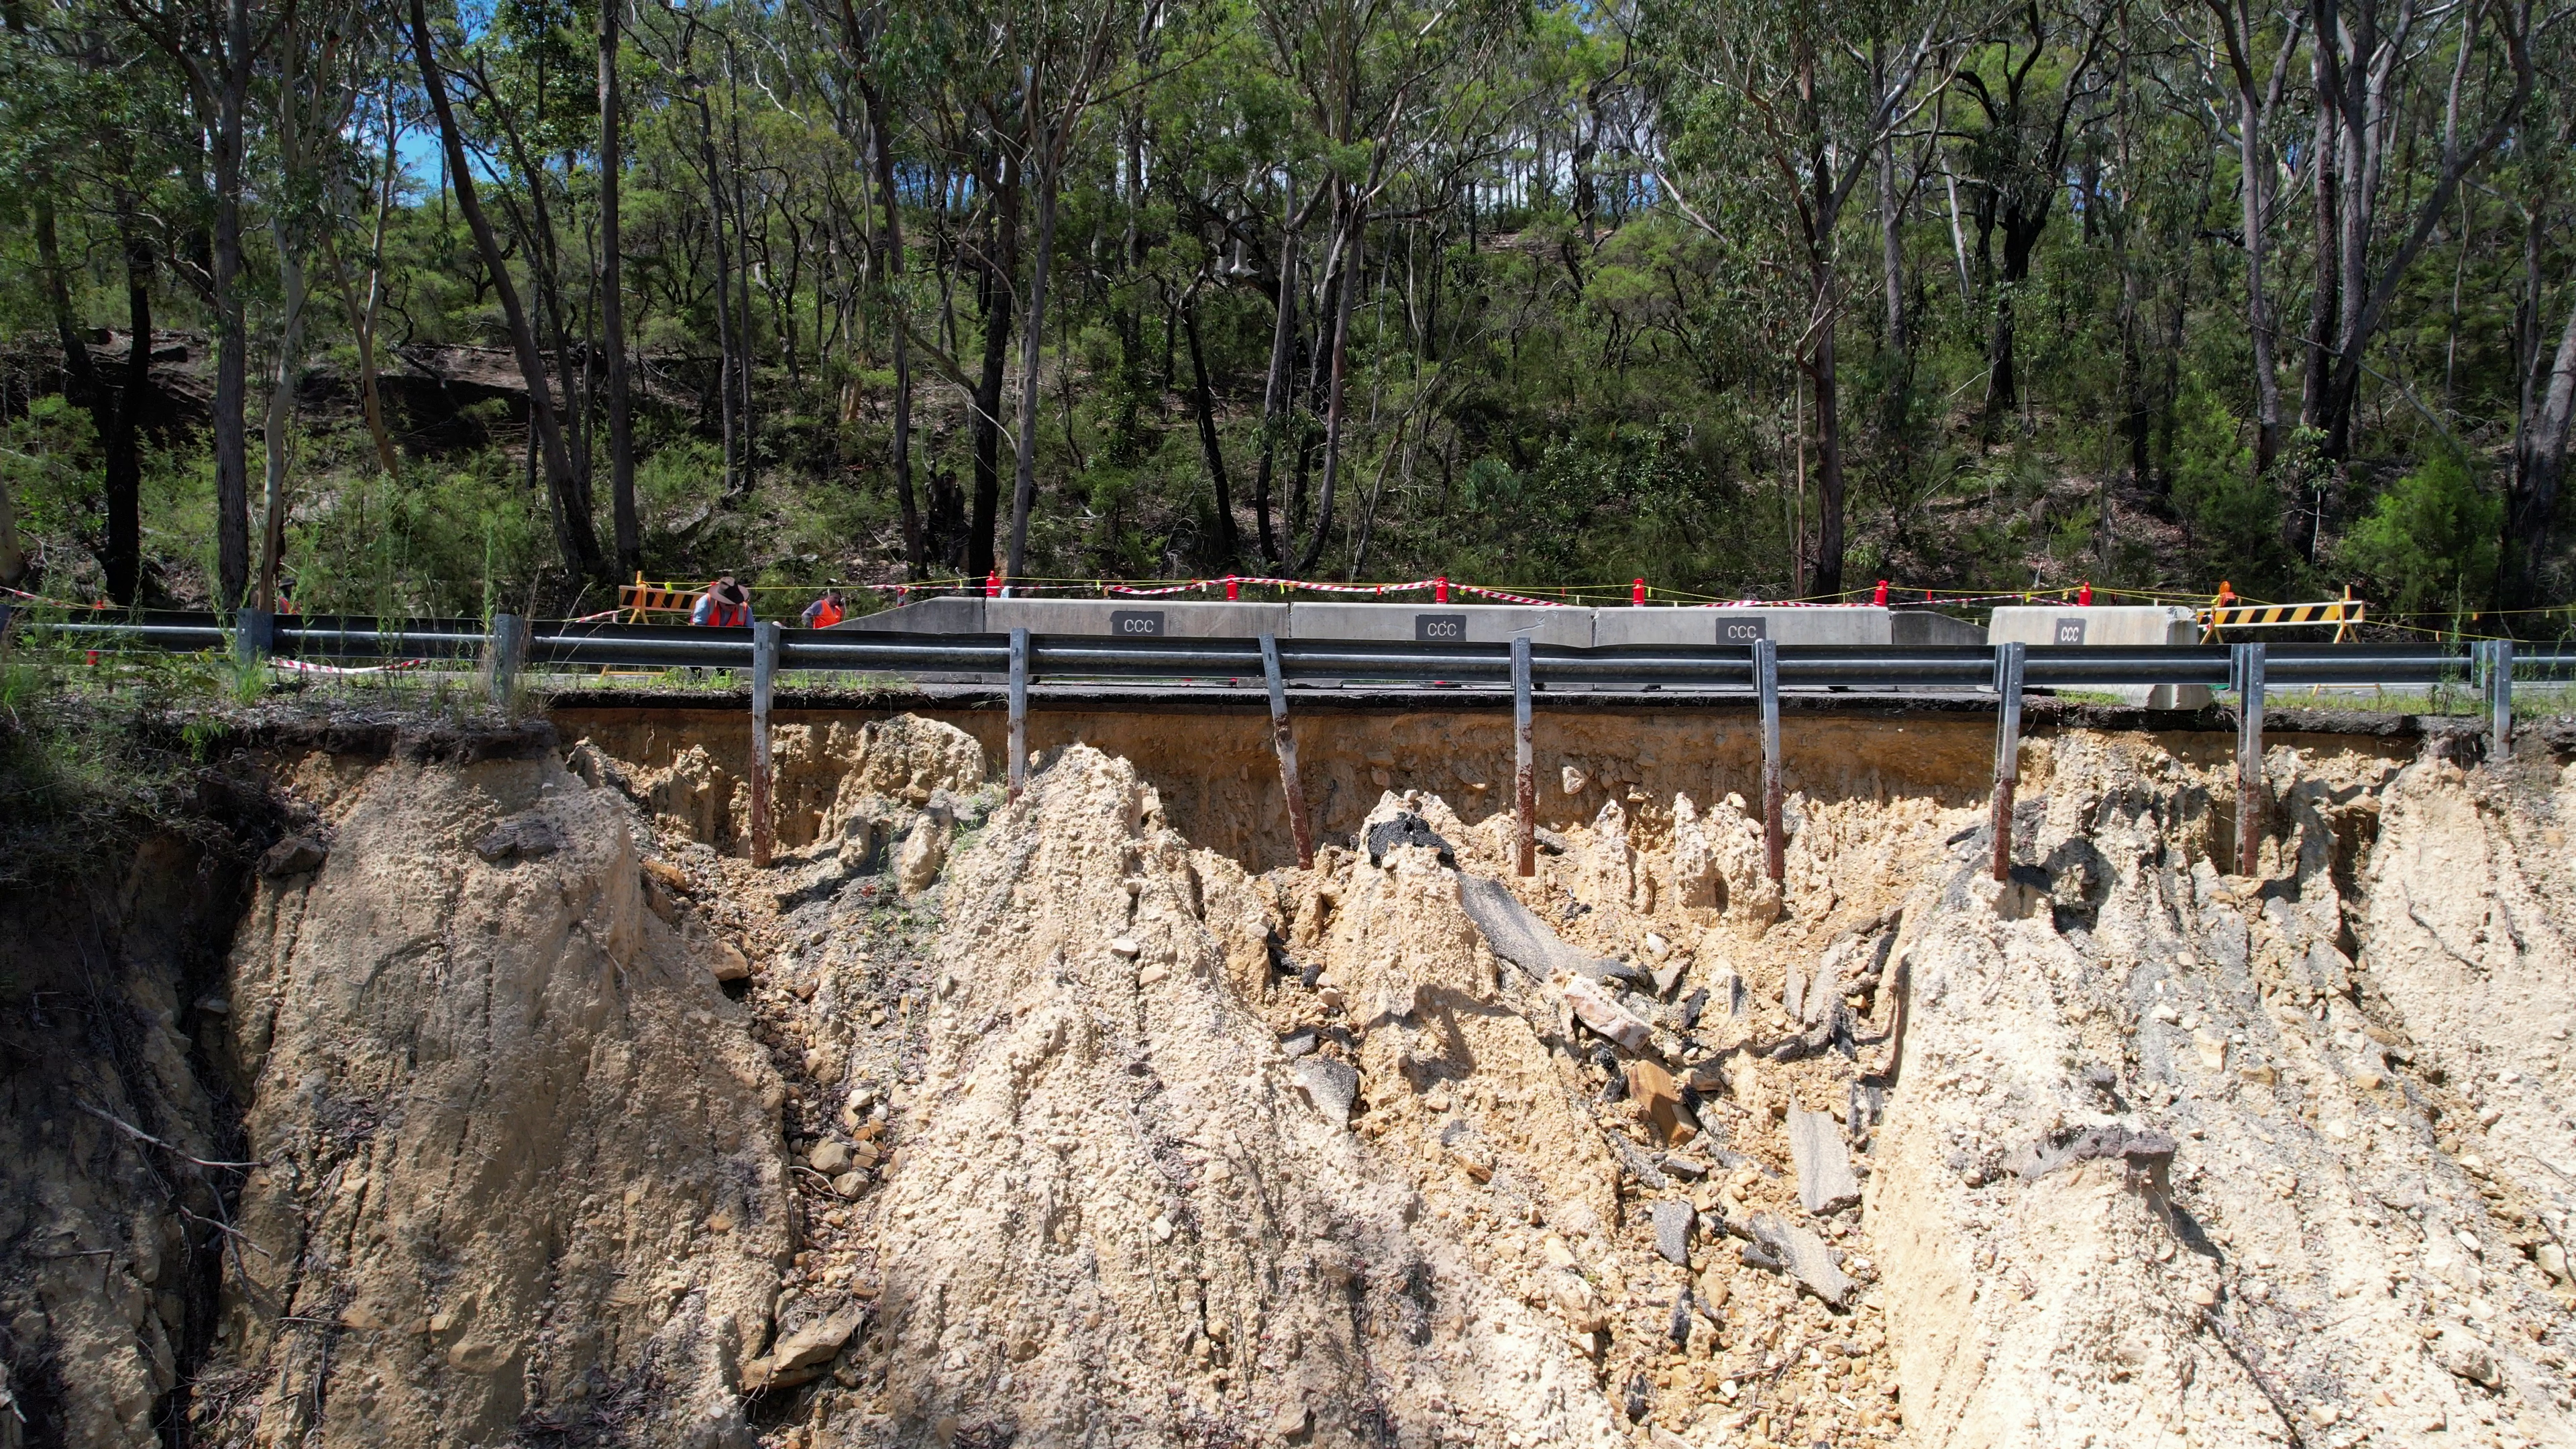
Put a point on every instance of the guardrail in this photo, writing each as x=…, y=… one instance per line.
x=511, y=644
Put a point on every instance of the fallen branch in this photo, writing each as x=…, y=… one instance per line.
x=139, y=1135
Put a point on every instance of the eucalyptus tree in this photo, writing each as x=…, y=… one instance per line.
x=1381, y=84
x=568, y=496
x=1774, y=113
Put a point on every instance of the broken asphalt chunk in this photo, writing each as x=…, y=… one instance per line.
x=1786, y=1246
x=1407, y=829
x=1332, y=1086
x=1673, y=1218
x=1825, y=1180
x=1523, y=939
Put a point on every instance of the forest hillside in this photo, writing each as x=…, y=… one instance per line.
x=423, y=306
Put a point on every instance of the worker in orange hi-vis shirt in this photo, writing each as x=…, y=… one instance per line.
x=826, y=611
x=725, y=605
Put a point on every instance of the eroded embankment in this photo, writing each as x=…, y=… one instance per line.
x=1219, y=782
x=975, y=1121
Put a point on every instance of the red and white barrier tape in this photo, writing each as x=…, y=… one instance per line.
x=1511, y=598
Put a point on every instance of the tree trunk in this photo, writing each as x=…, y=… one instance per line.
x=280, y=414
x=1350, y=269
x=1274, y=391
x=2324, y=301
x=123, y=559
x=2539, y=466
x=81, y=386
x=574, y=535
x=1891, y=234
x=1024, y=488
x=1829, y=467
x=2258, y=310
x=916, y=554
x=1226, y=546
x=629, y=524
x=232, y=342
x=281, y=409
x=725, y=356
x=1001, y=264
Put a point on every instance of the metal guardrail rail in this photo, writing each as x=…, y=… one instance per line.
x=1092, y=657
x=510, y=645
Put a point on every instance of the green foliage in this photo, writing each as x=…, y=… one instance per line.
x=2234, y=519
x=2429, y=541
x=449, y=542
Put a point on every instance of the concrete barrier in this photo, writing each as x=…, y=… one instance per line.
x=1441, y=623
x=1864, y=625
x=1137, y=619
x=2122, y=624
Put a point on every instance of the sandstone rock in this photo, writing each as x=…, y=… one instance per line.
x=850, y=1184
x=1125, y=946
x=1597, y=1011
x=727, y=962
x=829, y=1157
x=293, y=856
x=1653, y=1090
x=1152, y=974
x=917, y=863
x=803, y=1353
x=523, y=837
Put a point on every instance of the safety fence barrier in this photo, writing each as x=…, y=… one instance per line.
x=510, y=645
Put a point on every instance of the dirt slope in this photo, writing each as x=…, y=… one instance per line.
x=980, y=1122
x=521, y=1167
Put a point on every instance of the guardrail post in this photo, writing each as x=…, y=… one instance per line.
x=506, y=652
x=1284, y=742
x=254, y=635
x=1018, y=773
x=2247, y=667
x=2009, y=659
x=1775, y=829
x=1524, y=761
x=2500, y=699
x=764, y=675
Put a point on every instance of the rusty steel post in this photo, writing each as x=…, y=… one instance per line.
x=1524, y=761
x=764, y=675
x=1018, y=769
x=2008, y=672
x=1284, y=741
x=2248, y=668
x=1775, y=827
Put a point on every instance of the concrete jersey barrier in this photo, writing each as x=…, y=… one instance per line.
x=1689, y=626
x=2128, y=624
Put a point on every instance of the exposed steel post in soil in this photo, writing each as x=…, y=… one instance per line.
x=1283, y=740
x=2249, y=756
x=764, y=675
x=2500, y=700
x=1524, y=760
x=1018, y=773
x=505, y=653
x=2008, y=671
x=1775, y=829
